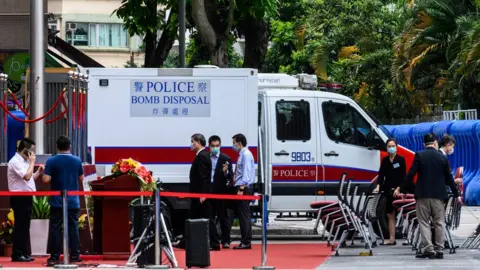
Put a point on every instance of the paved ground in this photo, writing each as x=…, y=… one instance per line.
x=400, y=257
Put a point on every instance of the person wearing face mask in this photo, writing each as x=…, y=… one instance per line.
x=200, y=182
x=243, y=181
x=447, y=147
x=393, y=170
x=222, y=176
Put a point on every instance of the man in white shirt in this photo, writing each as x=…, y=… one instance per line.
x=22, y=178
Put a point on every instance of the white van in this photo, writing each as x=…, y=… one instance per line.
x=304, y=139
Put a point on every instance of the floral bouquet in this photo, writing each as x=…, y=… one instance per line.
x=135, y=169
x=6, y=229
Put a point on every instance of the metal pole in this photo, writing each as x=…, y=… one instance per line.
x=264, y=235
x=82, y=135
x=181, y=33
x=74, y=112
x=86, y=117
x=70, y=104
x=158, y=248
x=85, y=131
x=65, y=264
x=37, y=70
x=2, y=138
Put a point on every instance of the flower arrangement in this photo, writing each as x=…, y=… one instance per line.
x=6, y=229
x=135, y=169
x=82, y=222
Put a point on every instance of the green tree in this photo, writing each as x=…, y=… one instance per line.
x=438, y=53
x=146, y=18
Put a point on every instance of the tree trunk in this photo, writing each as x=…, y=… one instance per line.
x=149, y=49
x=211, y=33
x=256, y=42
x=219, y=55
x=165, y=43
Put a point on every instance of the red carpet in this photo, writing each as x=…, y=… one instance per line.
x=282, y=256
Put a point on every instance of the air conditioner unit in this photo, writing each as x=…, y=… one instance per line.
x=71, y=26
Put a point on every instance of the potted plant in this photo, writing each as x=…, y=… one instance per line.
x=39, y=225
x=6, y=231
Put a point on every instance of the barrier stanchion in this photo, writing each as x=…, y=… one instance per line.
x=66, y=262
x=264, y=235
x=158, y=249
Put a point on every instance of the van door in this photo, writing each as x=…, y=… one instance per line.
x=293, y=153
x=345, y=146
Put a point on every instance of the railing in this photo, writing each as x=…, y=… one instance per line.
x=460, y=115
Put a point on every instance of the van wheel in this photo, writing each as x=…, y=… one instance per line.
x=382, y=218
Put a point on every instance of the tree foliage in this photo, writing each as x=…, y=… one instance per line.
x=146, y=18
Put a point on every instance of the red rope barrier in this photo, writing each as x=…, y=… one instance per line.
x=33, y=120
x=5, y=118
x=74, y=109
x=84, y=109
x=18, y=103
x=80, y=107
x=57, y=117
x=29, y=193
x=132, y=193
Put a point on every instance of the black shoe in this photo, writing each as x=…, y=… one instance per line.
x=52, y=262
x=225, y=245
x=439, y=255
x=243, y=246
x=180, y=245
x=426, y=254
x=215, y=248
x=29, y=257
x=20, y=259
x=76, y=260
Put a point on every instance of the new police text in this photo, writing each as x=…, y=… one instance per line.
x=188, y=93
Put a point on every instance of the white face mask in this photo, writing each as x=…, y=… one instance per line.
x=451, y=151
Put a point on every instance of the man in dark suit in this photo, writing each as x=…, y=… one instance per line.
x=433, y=175
x=222, y=176
x=200, y=182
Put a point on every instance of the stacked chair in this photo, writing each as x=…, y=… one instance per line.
x=353, y=215
x=347, y=218
x=408, y=223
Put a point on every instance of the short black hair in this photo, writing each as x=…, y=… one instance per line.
x=240, y=138
x=429, y=139
x=391, y=140
x=63, y=143
x=25, y=143
x=200, y=139
x=448, y=139
x=214, y=138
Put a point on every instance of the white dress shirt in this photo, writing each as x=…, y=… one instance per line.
x=17, y=168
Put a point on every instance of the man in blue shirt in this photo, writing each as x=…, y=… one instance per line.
x=243, y=181
x=63, y=171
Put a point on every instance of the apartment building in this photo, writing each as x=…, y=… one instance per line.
x=90, y=27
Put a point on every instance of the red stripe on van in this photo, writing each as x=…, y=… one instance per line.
x=156, y=155
x=308, y=173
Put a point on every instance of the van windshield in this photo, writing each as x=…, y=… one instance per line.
x=377, y=122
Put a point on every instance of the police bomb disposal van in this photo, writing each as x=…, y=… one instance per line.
x=302, y=140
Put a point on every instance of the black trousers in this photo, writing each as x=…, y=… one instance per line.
x=56, y=236
x=244, y=214
x=22, y=212
x=204, y=210
x=221, y=212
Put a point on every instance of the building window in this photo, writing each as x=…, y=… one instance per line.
x=97, y=35
x=345, y=124
x=293, y=120
x=52, y=24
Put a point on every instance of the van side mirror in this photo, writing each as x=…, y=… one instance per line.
x=374, y=142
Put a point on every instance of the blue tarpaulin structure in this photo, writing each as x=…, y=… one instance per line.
x=467, y=149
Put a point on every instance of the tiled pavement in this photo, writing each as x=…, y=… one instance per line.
x=401, y=257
